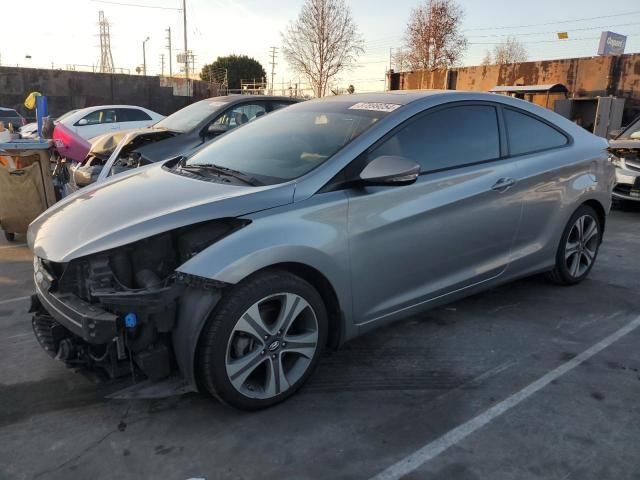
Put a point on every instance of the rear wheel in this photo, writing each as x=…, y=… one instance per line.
x=578, y=248
x=263, y=341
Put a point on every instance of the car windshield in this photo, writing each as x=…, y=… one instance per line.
x=190, y=116
x=65, y=115
x=289, y=143
x=632, y=132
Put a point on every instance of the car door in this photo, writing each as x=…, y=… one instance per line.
x=544, y=168
x=453, y=228
x=96, y=123
x=132, y=118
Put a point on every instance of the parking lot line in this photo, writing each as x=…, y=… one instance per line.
x=13, y=246
x=435, y=448
x=15, y=299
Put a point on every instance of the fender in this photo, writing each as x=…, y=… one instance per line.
x=312, y=232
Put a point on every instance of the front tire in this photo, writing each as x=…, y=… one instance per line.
x=263, y=340
x=578, y=247
x=10, y=237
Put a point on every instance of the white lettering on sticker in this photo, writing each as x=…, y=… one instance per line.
x=376, y=107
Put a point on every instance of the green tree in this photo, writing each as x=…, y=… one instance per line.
x=233, y=68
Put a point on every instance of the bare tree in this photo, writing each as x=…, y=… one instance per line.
x=487, y=60
x=322, y=42
x=433, y=36
x=510, y=51
x=399, y=60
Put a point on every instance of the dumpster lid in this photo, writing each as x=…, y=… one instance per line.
x=25, y=144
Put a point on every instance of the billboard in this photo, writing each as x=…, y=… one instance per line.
x=612, y=43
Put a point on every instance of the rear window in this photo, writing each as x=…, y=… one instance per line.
x=131, y=115
x=527, y=134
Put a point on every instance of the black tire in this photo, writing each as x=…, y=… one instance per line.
x=10, y=236
x=561, y=273
x=215, y=339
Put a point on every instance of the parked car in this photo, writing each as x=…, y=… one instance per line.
x=93, y=121
x=178, y=134
x=30, y=130
x=625, y=156
x=242, y=262
x=11, y=116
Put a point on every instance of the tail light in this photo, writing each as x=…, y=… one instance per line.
x=23, y=121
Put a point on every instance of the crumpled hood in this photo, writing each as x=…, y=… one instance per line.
x=136, y=205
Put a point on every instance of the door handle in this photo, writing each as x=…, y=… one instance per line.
x=503, y=184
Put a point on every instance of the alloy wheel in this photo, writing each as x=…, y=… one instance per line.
x=271, y=345
x=582, y=245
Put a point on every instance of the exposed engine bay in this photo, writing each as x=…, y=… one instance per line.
x=128, y=158
x=113, y=313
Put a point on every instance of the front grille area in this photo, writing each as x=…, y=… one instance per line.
x=69, y=277
x=632, y=164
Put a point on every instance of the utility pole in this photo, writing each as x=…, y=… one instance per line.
x=144, y=56
x=162, y=64
x=273, y=52
x=186, y=50
x=168, y=30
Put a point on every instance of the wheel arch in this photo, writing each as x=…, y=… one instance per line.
x=600, y=210
x=335, y=315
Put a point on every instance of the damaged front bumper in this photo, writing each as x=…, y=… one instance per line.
x=129, y=311
x=102, y=339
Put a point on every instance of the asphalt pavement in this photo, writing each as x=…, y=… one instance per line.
x=525, y=381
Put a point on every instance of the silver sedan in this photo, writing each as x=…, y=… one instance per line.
x=236, y=266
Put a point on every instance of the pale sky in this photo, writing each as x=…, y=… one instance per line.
x=65, y=31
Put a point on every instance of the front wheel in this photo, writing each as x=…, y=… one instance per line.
x=263, y=340
x=578, y=247
x=9, y=236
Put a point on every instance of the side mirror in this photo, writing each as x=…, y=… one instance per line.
x=216, y=129
x=390, y=170
x=83, y=121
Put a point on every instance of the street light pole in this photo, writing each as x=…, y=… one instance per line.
x=144, y=57
x=186, y=49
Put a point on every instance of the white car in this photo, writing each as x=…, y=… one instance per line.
x=93, y=121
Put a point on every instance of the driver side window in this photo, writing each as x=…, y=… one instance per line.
x=447, y=138
x=100, y=116
x=240, y=114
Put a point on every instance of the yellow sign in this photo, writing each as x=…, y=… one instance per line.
x=30, y=102
x=563, y=35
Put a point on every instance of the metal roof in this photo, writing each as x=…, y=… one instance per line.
x=549, y=88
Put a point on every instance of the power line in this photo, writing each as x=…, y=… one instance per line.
x=552, y=23
x=555, y=31
x=137, y=5
x=557, y=41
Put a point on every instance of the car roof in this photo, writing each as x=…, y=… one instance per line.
x=242, y=98
x=112, y=106
x=398, y=97
x=6, y=109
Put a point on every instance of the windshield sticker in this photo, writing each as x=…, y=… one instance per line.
x=376, y=107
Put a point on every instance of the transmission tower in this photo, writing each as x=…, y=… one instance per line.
x=106, y=59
